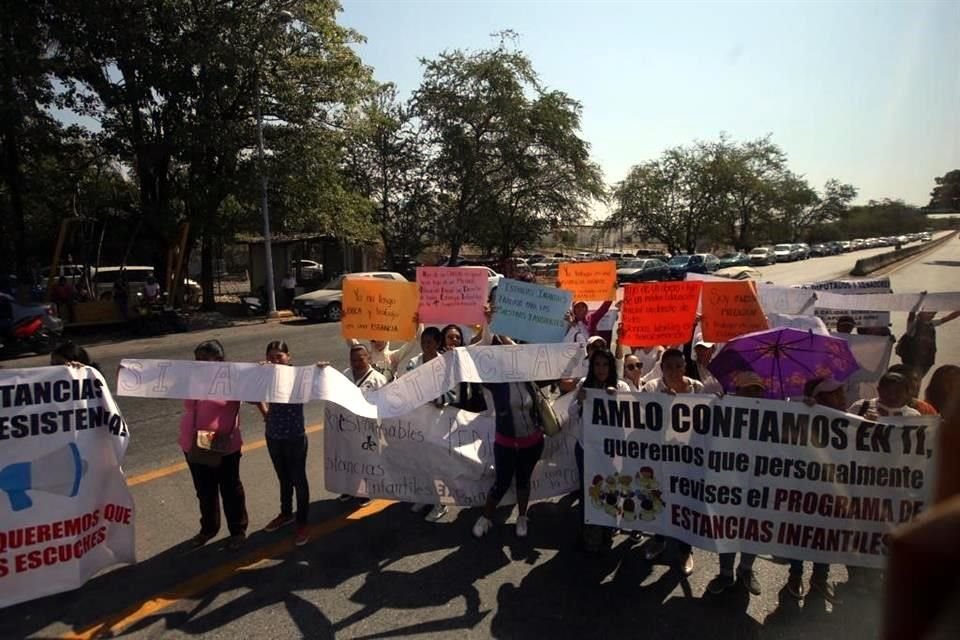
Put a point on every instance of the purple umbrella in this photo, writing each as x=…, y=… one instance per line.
x=785, y=358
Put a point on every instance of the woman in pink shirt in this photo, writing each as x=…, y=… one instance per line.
x=222, y=481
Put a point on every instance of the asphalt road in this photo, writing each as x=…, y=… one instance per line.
x=380, y=571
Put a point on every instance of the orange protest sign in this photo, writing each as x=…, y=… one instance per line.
x=731, y=309
x=589, y=281
x=659, y=313
x=376, y=309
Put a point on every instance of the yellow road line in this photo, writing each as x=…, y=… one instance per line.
x=163, y=472
x=201, y=583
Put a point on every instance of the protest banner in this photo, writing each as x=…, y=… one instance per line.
x=850, y=307
x=589, y=281
x=452, y=295
x=431, y=456
x=375, y=309
x=249, y=382
x=873, y=355
x=65, y=510
x=730, y=309
x=786, y=300
x=755, y=476
x=530, y=312
x=659, y=313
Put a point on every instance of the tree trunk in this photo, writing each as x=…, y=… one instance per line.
x=206, y=271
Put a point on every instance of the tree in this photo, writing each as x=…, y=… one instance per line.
x=385, y=163
x=752, y=174
x=26, y=127
x=946, y=195
x=503, y=149
x=677, y=199
x=175, y=87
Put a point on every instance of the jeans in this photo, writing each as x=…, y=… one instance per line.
x=820, y=569
x=727, y=561
x=215, y=483
x=289, y=457
x=512, y=463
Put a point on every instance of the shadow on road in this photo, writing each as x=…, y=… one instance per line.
x=944, y=263
x=407, y=569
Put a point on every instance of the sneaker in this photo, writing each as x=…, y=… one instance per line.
x=522, y=526
x=437, y=513
x=653, y=548
x=200, y=539
x=235, y=542
x=344, y=497
x=278, y=523
x=795, y=586
x=363, y=501
x=825, y=589
x=302, y=535
x=482, y=526
x=749, y=581
x=687, y=567
x=720, y=583
x=418, y=507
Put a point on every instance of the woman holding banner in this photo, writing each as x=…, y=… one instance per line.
x=430, y=341
x=517, y=445
x=222, y=480
x=601, y=374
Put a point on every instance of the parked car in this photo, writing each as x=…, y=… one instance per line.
x=802, y=250
x=307, y=269
x=784, y=253
x=645, y=270
x=857, y=244
x=326, y=303
x=681, y=265
x=105, y=277
x=819, y=250
x=762, y=256
x=735, y=259
x=493, y=278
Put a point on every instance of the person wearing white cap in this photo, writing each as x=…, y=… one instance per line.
x=703, y=352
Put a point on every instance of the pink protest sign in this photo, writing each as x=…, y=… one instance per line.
x=452, y=294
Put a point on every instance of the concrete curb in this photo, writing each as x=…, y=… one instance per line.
x=866, y=266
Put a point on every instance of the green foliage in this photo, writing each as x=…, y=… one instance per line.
x=504, y=152
x=946, y=195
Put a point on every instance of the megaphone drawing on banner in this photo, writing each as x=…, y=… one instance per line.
x=59, y=472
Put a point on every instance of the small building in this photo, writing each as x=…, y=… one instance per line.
x=335, y=255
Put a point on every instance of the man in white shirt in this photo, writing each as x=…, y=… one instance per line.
x=289, y=288
x=361, y=372
x=893, y=399
x=673, y=364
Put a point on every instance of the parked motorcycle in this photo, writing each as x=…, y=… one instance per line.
x=28, y=335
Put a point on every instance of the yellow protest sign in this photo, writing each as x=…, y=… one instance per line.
x=375, y=309
x=589, y=281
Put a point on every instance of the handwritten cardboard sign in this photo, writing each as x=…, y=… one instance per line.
x=530, y=312
x=659, y=313
x=589, y=281
x=452, y=294
x=731, y=309
x=379, y=309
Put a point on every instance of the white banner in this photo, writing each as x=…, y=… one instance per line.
x=247, y=382
x=873, y=355
x=759, y=476
x=786, y=300
x=944, y=301
x=431, y=456
x=65, y=509
x=845, y=305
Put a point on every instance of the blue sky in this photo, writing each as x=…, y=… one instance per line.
x=866, y=92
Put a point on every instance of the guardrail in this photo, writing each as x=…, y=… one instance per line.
x=866, y=266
